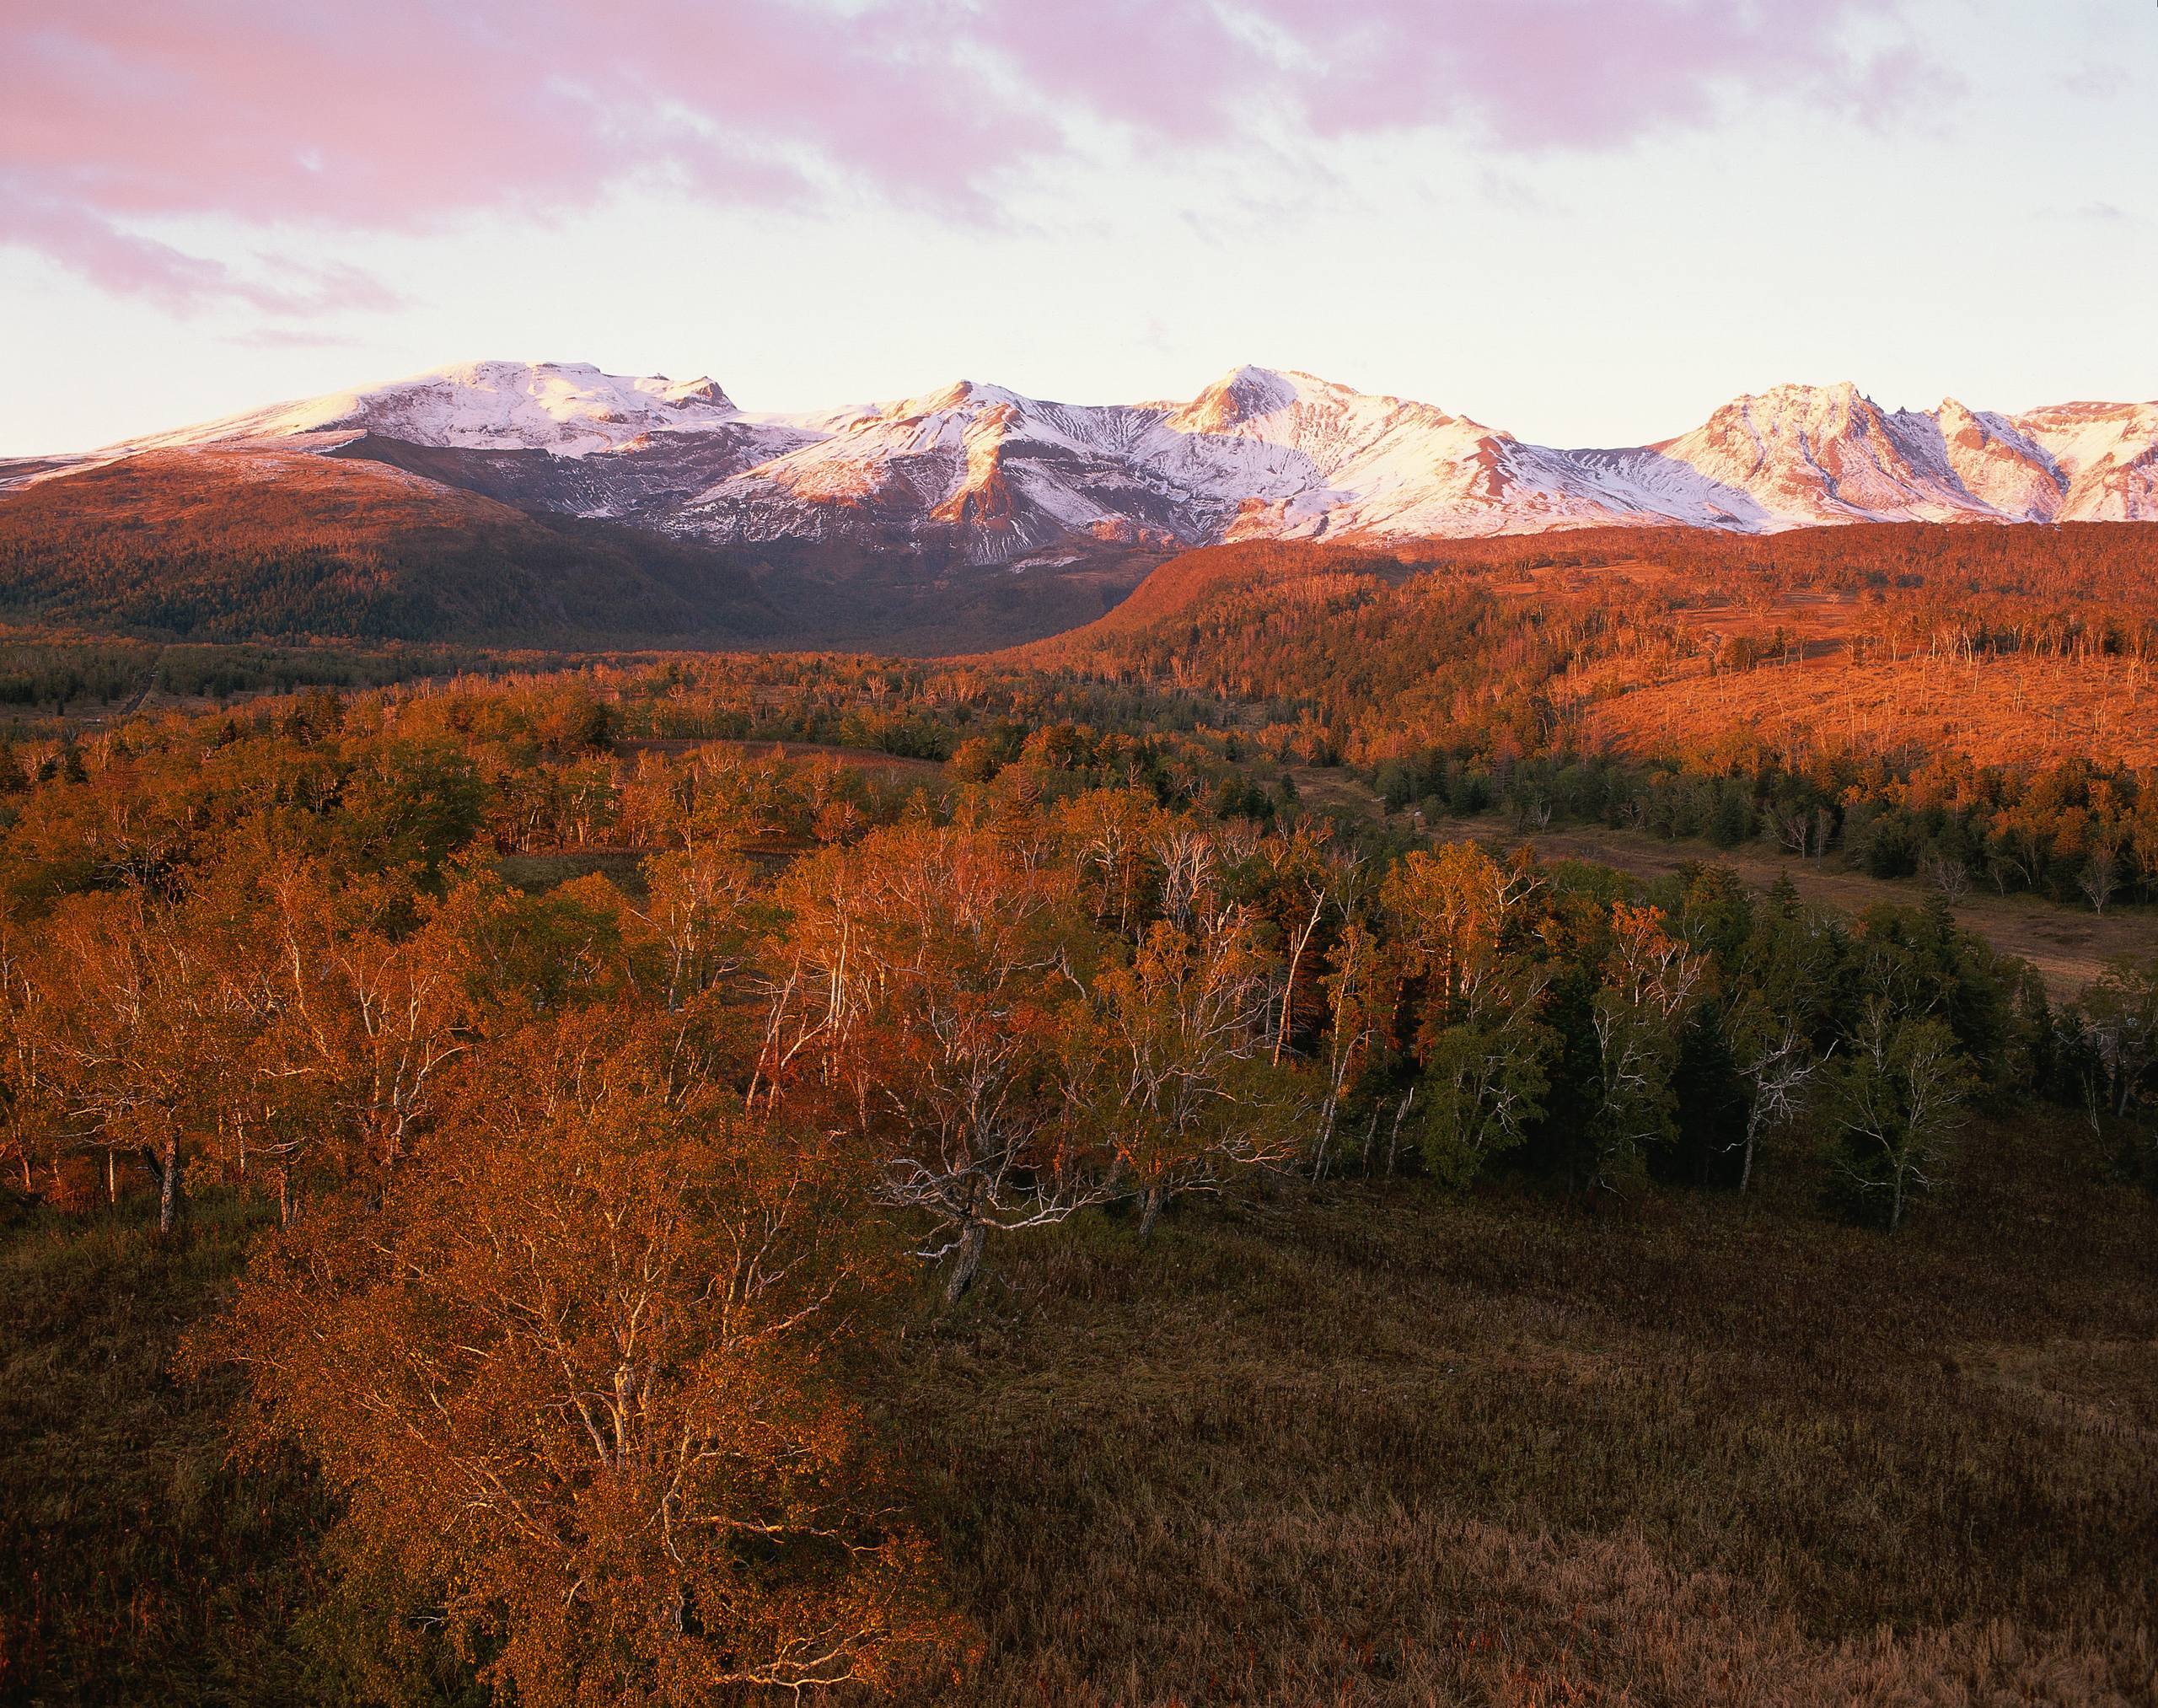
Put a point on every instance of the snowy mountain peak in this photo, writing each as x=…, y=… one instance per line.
x=1841, y=393
x=702, y=389
x=1247, y=393
x=569, y=408
x=1800, y=408
x=1239, y=397
x=961, y=396
x=1818, y=454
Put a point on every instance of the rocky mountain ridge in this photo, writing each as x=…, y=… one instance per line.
x=980, y=474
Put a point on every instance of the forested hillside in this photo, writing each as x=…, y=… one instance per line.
x=202, y=546
x=1975, y=705
x=212, y=544
x=663, y=1216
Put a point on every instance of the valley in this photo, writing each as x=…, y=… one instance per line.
x=1629, y=1051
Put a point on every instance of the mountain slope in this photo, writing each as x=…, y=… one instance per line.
x=253, y=543
x=256, y=540
x=977, y=470
x=976, y=498
x=1807, y=454
x=1306, y=459
x=1290, y=620
x=569, y=409
x=2107, y=454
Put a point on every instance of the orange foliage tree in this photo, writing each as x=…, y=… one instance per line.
x=915, y=991
x=576, y=1380
x=1169, y=1061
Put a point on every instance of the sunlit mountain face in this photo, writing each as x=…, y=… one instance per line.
x=978, y=473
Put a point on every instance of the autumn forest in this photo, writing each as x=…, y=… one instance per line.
x=1146, y=1166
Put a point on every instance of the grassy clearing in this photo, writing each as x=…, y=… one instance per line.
x=537, y=874
x=871, y=759
x=2070, y=947
x=1390, y=1447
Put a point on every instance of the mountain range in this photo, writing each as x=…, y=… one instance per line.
x=976, y=475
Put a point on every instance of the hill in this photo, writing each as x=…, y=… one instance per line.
x=1969, y=705
x=237, y=545
x=261, y=543
x=2007, y=645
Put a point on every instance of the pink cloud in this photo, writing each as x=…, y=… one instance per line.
x=398, y=114
x=1527, y=74
x=132, y=265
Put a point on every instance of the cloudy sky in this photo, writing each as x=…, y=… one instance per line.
x=1584, y=221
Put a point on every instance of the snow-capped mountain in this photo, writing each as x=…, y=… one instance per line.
x=992, y=472
x=2105, y=455
x=980, y=474
x=552, y=435
x=1306, y=458
x=567, y=409
x=1819, y=454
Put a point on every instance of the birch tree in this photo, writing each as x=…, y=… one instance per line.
x=571, y=1379
x=1649, y=979
x=914, y=990
x=1896, y=1107
x=1168, y=1062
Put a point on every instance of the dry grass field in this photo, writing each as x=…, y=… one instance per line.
x=1392, y=1447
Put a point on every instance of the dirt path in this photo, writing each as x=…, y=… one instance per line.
x=866, y=759
x=2069, y=946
